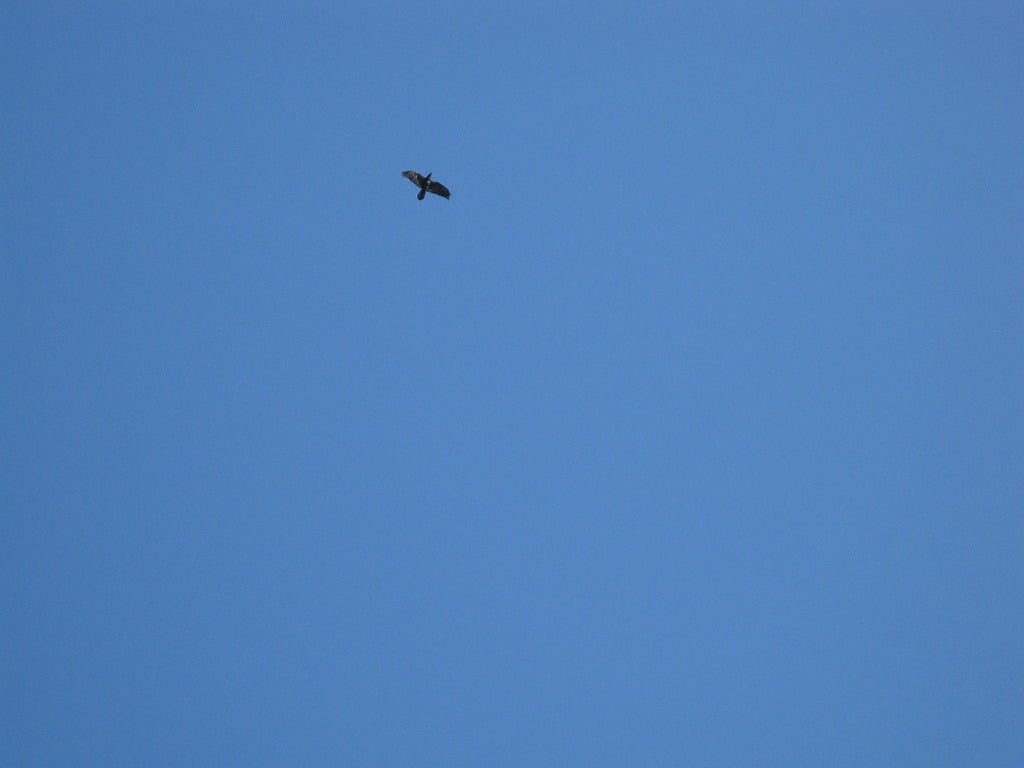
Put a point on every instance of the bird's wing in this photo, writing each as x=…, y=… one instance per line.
x=412, y=176
x=439, y=189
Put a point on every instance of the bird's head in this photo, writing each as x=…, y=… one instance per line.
x=427, y=177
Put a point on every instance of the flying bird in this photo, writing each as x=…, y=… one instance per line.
x=426, y=185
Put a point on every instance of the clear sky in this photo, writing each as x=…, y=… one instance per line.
x=687, y=433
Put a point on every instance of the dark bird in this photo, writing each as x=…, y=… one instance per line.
x=426, y=185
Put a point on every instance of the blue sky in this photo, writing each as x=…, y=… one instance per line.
x=688, y=432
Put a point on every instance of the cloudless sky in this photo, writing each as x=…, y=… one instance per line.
x=687, y=433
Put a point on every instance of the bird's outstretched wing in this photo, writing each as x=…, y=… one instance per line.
x=414, y=177
x=438, y=189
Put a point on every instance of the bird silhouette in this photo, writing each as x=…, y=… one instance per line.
x=427, y=185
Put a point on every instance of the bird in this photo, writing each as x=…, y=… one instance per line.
x=426, y=185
